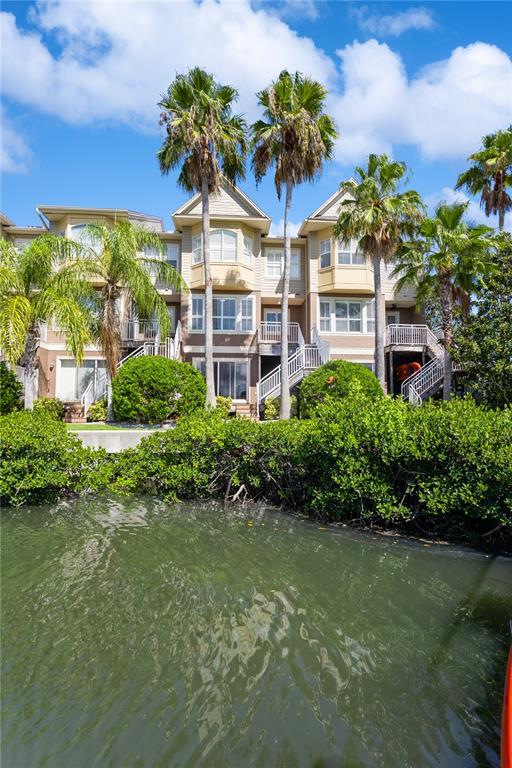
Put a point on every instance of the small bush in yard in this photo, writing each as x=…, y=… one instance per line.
x=224, y=405
x=153, y=389
x=272, y=404
x=50, y=405
x=333, y=382
x=11, y=391
x=41, y=460
x=97, y=411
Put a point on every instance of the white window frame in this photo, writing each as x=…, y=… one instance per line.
x=224, y=233
x=199, y=315
x=240, y=317
x=277, y=263
x=197, y=362
x=58, y=374
x=325, y=249
x=350, y=248
x=395, y=313
x=87, y=242
x=365, y=319
x=247, y=250
x=197, y=249
x=170, y=261
x=271, y=310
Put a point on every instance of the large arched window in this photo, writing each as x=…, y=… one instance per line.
x=223, y=245
x=78, y=233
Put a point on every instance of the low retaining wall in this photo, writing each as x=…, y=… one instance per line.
x=112, y=441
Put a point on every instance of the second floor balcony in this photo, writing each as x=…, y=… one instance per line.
x=136, y=332
x=269, y=337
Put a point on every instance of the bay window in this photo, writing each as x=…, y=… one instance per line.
x=230, y=377
x=247, y=252
x=222, y=245
x=349, y=254
x=347, y=316
x=325, y=253
x=197, y=249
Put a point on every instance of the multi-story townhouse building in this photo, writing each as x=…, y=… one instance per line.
x=332, y=307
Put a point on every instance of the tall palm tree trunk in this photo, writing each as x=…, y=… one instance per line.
x=379, y=321
x=445, y=297
x=29, y=368
x=284, y=408
x=211, y=401
x=501, y=219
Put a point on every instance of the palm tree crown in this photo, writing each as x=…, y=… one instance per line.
x=203, y=137
x=447, y=257
x=490, y=174
x=296, y=135
x=206, y=141
x=37, y=286
x=116, y=258
x=379, y=216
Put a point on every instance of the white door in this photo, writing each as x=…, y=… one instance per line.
x=272, y=315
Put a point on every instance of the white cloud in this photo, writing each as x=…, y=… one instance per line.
x=298, y=9
x=116, y=59
x=394, y=24
x=474, y=213
x=444, y=110
x=15, y=154
x=277, y=228
x=87, y=62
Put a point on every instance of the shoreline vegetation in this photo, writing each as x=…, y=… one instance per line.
x=442, y=471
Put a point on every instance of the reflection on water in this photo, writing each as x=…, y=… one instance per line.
x=140, y=634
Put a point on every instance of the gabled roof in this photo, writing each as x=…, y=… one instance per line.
x=229, y=203
x=324, y=215
x=5, y=220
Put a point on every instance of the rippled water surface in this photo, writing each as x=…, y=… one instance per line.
x=138, y=634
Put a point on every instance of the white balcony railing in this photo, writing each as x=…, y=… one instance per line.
x=270, y=333
x=412, y=336
x=140, y=330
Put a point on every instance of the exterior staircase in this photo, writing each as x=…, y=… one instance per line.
x=169, y=348
x=429, y=379
x=301, y=361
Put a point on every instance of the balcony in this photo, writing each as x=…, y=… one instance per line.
x=269, y=337
x=136, y=332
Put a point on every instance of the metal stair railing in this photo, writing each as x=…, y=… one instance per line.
x=96, y=390
x=416, y=386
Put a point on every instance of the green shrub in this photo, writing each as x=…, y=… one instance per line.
x=50, y=405
x=444, y=467
x=224, y=405
x=153, y=389
x=97, y=411
x=334, y=381
x=41, y=460
x=11, y=391
x=272, y=404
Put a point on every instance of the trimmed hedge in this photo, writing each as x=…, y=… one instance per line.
x=442, y=467
x=153, y=389
x=41, y=460
x=333, y=381
x=11, y=391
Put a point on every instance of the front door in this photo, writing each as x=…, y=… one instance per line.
x=393, y=318
x=272, y=315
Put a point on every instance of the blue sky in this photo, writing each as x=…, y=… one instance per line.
x=80, y=84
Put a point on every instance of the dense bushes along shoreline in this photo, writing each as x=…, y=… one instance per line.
x=442, y=468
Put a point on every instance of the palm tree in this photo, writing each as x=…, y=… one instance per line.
x=114, y=258
x=207, y=142
x=36, y=286
x=297, y=137
x=490, y=174
x=379, y=217
x=447, y=258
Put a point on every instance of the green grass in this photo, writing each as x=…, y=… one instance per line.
x=102, y=427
